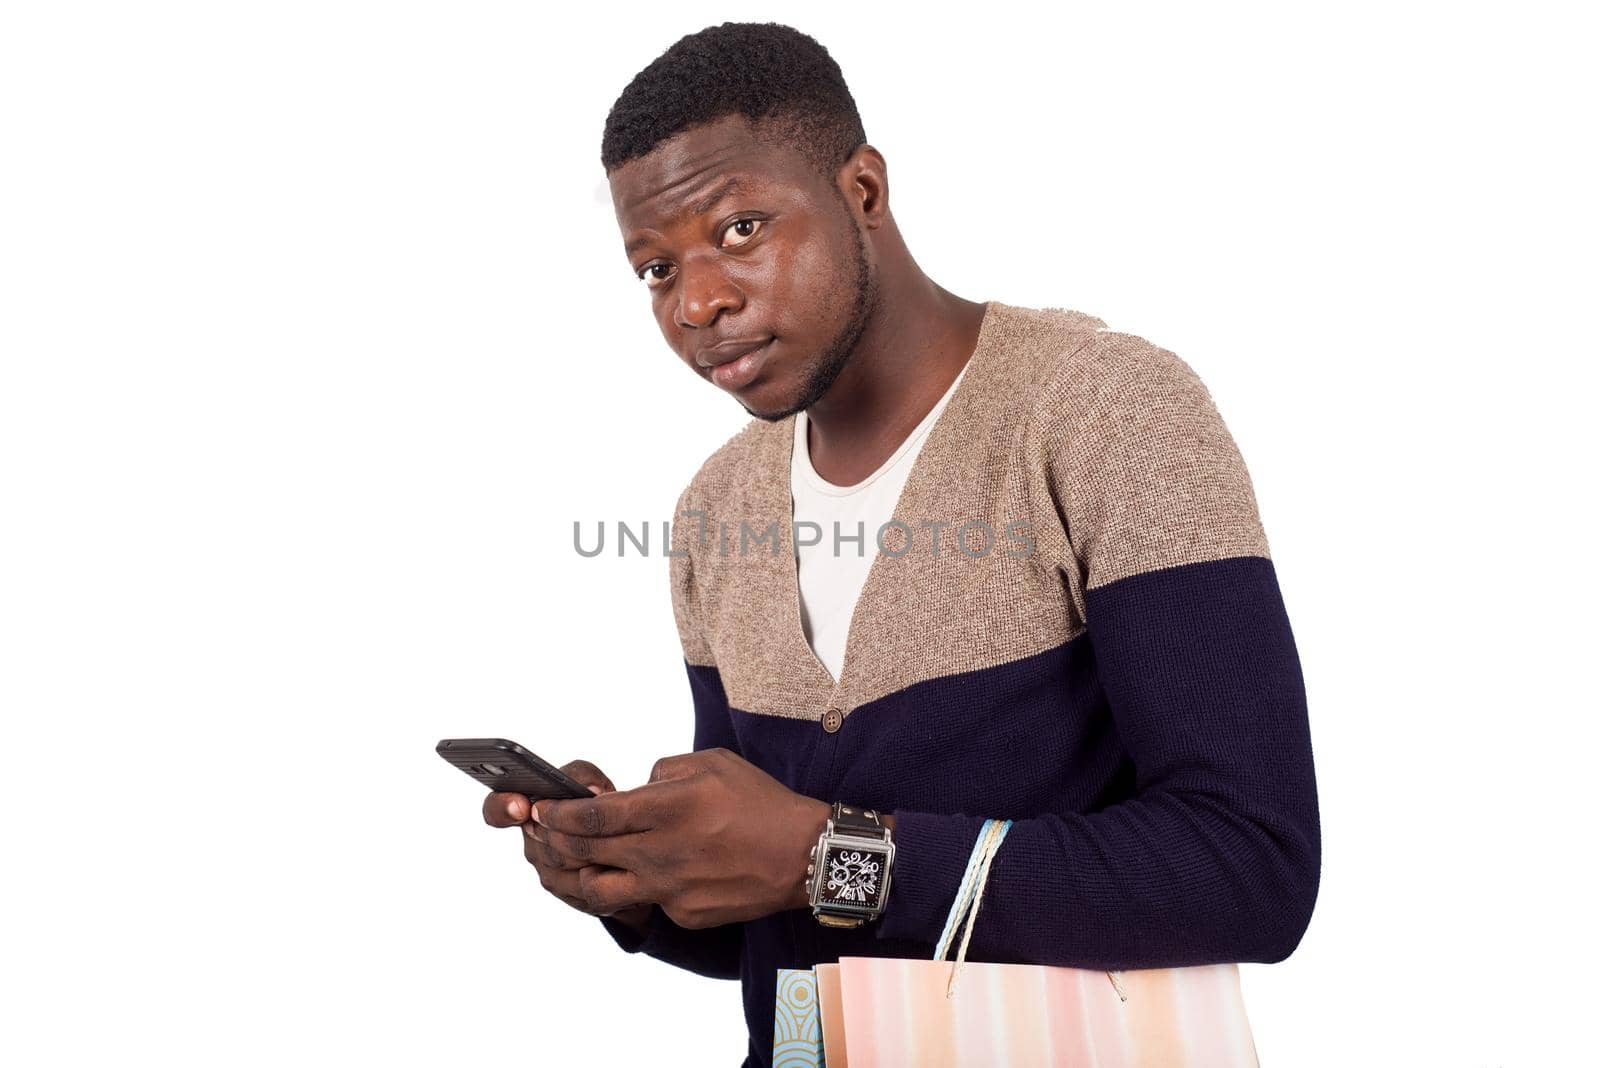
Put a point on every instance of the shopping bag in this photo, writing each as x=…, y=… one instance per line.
x=809, y=1021
x=935, y=1013
x=797, y=1024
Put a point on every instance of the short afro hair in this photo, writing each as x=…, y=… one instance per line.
x=776, y=76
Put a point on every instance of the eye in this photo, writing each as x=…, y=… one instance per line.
x=743, y=229
x=655, y=275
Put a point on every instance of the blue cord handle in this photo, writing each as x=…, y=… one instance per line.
x=969, y=887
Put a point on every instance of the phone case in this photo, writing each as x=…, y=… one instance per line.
x=504, y=765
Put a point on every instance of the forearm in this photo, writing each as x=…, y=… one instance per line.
x=1215, y=858
x=1163, y=881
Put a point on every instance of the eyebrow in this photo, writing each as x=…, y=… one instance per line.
x=726, y=188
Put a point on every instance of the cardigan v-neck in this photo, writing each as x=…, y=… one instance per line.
x=800, y=468
x=1116, y=674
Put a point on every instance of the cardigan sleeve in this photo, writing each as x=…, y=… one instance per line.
x=711, y=951
x=1217, y=855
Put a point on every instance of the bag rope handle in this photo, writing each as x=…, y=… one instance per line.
x=970, y=895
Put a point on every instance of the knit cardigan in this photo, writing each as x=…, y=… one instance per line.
x=1116, y=674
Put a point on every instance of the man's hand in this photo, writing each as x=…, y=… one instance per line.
x=562, y=876
x=712, y=838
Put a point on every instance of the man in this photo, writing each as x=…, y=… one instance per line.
x=1067, y=615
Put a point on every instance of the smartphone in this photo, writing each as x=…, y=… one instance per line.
x=504, y=765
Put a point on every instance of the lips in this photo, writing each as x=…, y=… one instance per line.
x=737, y=370
x=728, y=351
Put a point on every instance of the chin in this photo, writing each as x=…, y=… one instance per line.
x=773, y=401
x=771, y=415
x=769, y=405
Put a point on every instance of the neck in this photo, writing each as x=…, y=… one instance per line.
x=917, y=342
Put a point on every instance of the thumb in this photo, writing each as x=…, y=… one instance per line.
x=589, y=775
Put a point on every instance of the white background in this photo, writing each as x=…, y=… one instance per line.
x=318, y=336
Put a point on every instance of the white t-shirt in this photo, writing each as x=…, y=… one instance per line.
x=832, y=571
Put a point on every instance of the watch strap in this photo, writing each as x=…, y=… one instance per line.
x=848, y=819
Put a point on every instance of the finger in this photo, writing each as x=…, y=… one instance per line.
x=566, y=886
x=618, y=812
x=680, y=766
x=606, y=890
x=589, y=775
x=539, y=853
x=569, y=887
x=615, y=851
x=501, y=809
x=570, y=852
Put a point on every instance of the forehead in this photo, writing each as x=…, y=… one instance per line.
x=682, y=175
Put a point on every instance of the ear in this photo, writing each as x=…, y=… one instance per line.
x=864, y=180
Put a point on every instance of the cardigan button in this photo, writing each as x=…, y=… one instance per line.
x=832, y=720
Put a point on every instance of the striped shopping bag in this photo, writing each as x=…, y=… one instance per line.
x=878, y=1012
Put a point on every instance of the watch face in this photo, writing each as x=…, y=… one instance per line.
x=853, y=876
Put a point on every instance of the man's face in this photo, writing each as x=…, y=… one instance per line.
x=756, y=269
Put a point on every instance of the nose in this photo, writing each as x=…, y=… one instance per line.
x=704, y=291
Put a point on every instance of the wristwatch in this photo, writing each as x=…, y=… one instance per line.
x=849, y=869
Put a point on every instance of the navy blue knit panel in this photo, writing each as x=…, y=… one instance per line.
x=713, y=728
x=1216, y=859
x=715, y=952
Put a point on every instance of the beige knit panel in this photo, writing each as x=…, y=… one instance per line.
x=1147, y=473
x=685, y=593
x=933, y=610
x=749, y=622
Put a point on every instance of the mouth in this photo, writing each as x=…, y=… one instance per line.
x=738, y=373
